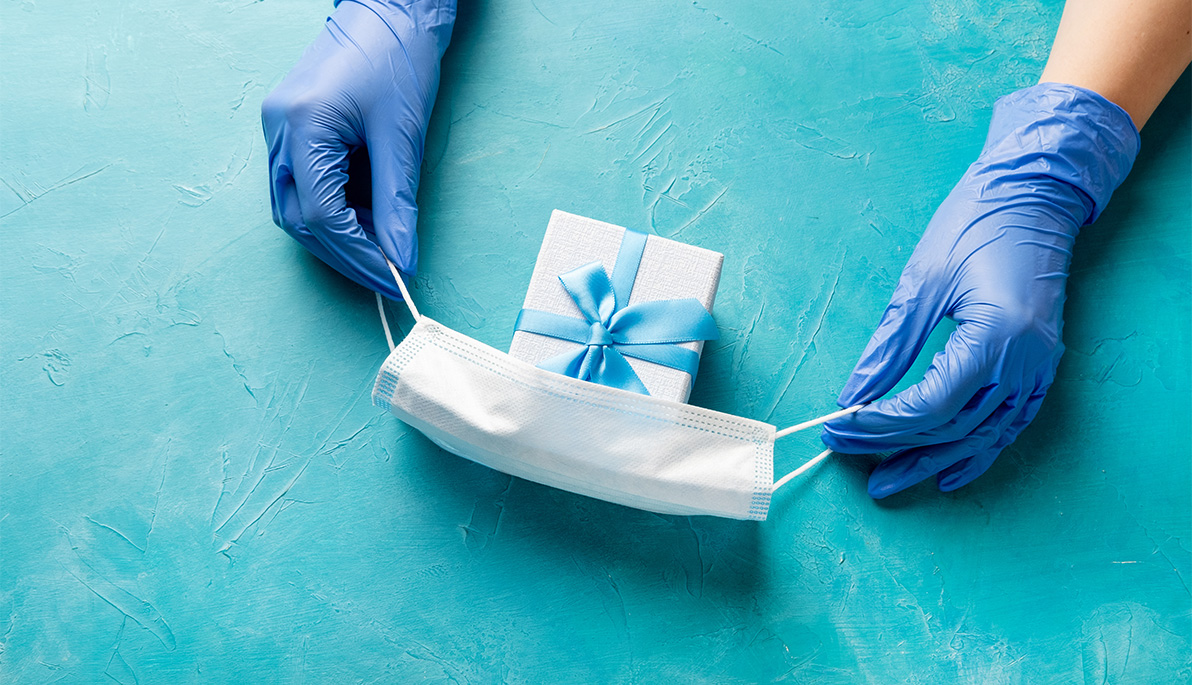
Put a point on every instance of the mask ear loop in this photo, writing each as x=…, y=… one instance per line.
x=819, y=457
x=401, y=285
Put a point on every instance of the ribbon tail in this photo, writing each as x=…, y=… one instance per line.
x=614, y=371
x=570, y=363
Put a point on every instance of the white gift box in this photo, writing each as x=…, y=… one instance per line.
x=668, y=270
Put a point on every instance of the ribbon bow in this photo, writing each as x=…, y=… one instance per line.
x=611, y=330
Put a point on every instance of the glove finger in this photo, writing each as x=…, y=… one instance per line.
x=396, y=161
x=916, y=464
x=320, y=171
x=287, y=214
x=283, y=192
x=952, y=399
x=899, y=337
x=966, y=471
x=396, y=137
x=280, y=176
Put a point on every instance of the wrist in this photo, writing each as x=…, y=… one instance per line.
x=411, y=19
x=1055, y=132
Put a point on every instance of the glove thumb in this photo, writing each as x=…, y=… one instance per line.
x=396, y=161
x=900, y=335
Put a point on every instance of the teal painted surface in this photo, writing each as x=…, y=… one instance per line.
x=197, y=489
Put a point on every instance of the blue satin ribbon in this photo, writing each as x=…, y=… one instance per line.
x=611, y=330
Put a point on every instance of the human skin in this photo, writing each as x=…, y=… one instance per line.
x=1129, y=51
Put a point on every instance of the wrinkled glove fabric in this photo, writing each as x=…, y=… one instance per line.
x=995, y=259
x=367, y=82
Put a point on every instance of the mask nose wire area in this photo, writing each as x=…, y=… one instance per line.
x=817, y=458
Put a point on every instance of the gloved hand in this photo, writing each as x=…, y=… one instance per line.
x=994, y=258
x=368, y=80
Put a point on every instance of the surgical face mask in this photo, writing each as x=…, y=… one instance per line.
x=612, y=444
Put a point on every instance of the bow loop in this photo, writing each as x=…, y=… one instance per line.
x=592, y=291
x=614, y=329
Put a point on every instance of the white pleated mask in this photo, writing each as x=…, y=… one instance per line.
x=640, y=451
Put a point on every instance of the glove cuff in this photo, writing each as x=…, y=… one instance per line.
x=1065, y=132
x=432, y=17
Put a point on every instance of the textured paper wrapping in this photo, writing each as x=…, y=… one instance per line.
x=669, y=270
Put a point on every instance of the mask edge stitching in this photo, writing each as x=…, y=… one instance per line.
x=405, y=354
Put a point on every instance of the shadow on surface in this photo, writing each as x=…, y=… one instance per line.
x=1095, y=251
x=699, y=555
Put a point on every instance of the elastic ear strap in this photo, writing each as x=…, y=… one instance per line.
x=815, y=422
x=801, y=470
x=385, y=322
x=819, y=457
x=401, y=285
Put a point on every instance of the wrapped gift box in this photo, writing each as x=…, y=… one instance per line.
x=668, y=270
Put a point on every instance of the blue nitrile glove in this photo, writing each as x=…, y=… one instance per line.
x=994, y=259
x=369, y=79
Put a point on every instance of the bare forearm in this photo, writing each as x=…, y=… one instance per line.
x=1129, y=51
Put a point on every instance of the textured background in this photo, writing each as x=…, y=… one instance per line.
x=197, y=489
